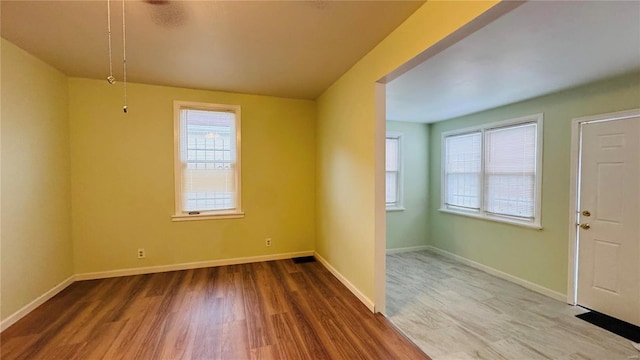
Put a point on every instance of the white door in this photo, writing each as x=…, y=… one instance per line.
x=609, y=246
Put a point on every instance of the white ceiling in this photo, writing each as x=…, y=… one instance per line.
x=539, y=48
x=281, y=48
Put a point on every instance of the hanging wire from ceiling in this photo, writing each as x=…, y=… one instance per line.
x=110, y=78
x=124, y=57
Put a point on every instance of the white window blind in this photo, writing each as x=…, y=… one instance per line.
x=510, y=170
x=208, y=160
x=392, y=171
x=462, y=170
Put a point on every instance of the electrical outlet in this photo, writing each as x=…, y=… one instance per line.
x=141, y=254
x=267, y=242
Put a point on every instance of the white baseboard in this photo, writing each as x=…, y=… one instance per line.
x=363, y=298
x=407, y=249
x=503, y=275
x=13, y=318
x=187, y=266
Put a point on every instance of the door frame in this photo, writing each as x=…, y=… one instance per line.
x=572, y=283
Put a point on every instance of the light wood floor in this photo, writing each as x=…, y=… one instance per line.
x=269, y=310
x=453, y=311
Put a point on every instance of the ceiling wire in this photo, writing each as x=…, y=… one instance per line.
x=110, y=78
x=124, y=57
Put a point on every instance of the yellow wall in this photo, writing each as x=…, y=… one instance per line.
x=36, y=225
x=346, y=214
x=123, y=186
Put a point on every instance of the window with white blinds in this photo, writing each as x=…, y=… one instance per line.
x=510, y=171
x=393, y=171
x=494, y=171
x=207, y=160
x=462, y=170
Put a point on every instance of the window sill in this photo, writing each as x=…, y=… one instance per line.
x=392, y=209
x=534, y=226
x=209, y=216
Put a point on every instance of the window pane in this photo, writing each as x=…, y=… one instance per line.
x=462, y=170
x=392, y=187
x=463, y=190
x=510, y=170
x=208, y=153
x=392, y=154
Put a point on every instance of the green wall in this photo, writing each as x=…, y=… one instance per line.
x=539, y=256
x=36, y=189
x=409, y=227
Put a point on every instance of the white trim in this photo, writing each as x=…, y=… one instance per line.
x=573, y=208
x=407, y=249
x=354, y=290
x=503, y=275
x=504, y=220
x=393, y=209
x=538, y=119
x=207, y=216
x=187, y=266
x=25, y=310
x=572, y=285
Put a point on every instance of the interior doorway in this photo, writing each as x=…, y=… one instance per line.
x=605, y=233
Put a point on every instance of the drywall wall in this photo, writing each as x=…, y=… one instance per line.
x=350, y=146
x=123, y=178
x=409, y=227
x=538, y=256
x=36, y=249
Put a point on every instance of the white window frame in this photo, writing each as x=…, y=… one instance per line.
x=399, y=205
x=536, y=223
x=180, y=214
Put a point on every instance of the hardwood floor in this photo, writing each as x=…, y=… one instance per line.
x=269, y=310
x=453, y=311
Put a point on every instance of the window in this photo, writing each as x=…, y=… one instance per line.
x=207, y=161
x=462, y=170
x=394, y=171
x=494, y=171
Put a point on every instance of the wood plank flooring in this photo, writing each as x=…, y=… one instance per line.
x=453, y=311
x=268, y=310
